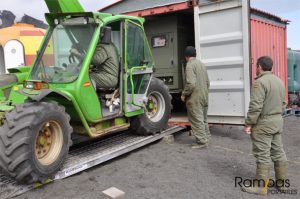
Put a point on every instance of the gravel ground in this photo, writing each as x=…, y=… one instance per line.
x=175, y=171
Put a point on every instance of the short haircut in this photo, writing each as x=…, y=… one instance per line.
x=190, y=51
x=265, y=62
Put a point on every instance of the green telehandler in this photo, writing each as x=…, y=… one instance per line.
x=41, y=106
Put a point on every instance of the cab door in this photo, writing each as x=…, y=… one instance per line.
x=138, y=69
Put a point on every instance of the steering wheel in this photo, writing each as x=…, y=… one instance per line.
x=58, y=68
x=72, y=58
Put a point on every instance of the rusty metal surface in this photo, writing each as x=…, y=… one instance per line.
x=179, y=119
x=160, y=10
x=269, y=37
x=135, y=5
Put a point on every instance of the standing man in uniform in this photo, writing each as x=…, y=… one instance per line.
x=264, y=123
x=195, y=94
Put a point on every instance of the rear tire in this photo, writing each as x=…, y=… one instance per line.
x=157, y=112
x=34, y=141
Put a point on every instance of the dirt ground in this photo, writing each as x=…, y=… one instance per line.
x=176, y=171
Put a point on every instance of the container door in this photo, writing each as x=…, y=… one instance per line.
x=222, y=42
x=13, y=54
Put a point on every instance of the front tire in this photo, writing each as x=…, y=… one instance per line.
x=34, y=141
x=157, y=112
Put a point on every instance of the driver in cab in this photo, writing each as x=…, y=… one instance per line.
x=105, y=64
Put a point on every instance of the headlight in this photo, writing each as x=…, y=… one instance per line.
x=35, y=85
x=29, y=85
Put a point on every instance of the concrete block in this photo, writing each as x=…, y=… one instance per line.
x=113, y=193
x=169, y=139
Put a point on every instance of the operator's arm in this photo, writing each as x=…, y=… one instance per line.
x=205, y=75
x=256, y=103
x=190, y=81
x=100, y=56
x=75, y=52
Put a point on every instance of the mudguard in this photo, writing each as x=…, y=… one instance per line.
x=43, y=94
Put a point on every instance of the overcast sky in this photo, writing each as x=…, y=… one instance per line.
x=288, y=9
x=37, y=8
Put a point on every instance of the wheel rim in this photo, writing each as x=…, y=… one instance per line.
x=49, y=143
x=155, y=107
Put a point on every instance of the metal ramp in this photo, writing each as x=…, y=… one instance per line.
x=85, y=157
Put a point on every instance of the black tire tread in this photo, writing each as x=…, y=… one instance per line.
x=141, y=125
x=14, y=154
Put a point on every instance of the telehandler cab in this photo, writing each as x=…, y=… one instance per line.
x=40, y=109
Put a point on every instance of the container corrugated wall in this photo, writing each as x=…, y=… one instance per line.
x=268, y=37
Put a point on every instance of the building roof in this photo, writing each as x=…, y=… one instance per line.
x=268, y=15
x=126, y=6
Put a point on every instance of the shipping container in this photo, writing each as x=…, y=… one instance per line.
x=294, y=77
x=268, y=37
x=222, y=33
x=294, y=71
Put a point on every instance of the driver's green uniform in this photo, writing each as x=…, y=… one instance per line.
x=106, y=66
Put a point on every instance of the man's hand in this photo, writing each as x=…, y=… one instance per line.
x=182, y=98
x=75, y=52
x=91, y=68
x=248, y=129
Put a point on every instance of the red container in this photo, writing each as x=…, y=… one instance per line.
x=268, y=37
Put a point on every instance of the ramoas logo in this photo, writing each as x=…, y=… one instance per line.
x=276, y=186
